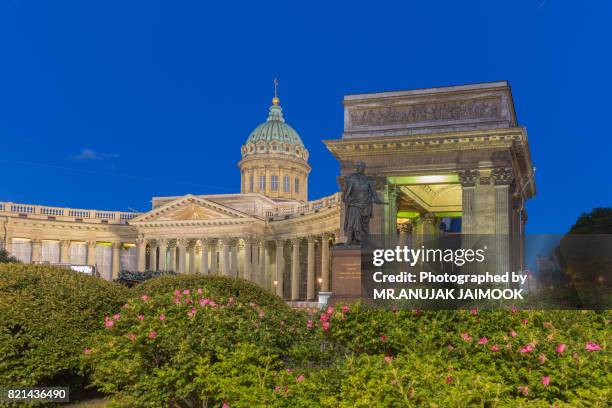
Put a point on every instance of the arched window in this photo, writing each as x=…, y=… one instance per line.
x=297, y=185
x=286, y=184
x=274, y=183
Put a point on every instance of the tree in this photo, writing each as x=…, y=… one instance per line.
x=598, y=221
x=5, y=257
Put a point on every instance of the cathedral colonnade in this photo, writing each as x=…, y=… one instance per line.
x=293, y=268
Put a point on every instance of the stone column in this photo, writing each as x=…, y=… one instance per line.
x=65, y=251
x=142, y=254
x=234, y=258
x=152, y=255
x=310, y=278
x=36, y=250
x=267, y=278
x=502, y=178
x=214, y=246
x=254, y=261
x=163, y=253
x=295, y=269
x=91, y=253
x=172, y=256
x=248, y=258
x=204, y=256
x=430, y=226
x=325, y=262
x=468, y=180
x=225, y=256
x=181, y=243
x=8, y=244
x=191, y=256
x=116, y=260
x=261, y=266
x=280, y=267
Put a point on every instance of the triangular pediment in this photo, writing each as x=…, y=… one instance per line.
x=189, y=208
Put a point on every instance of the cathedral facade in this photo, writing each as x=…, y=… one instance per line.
x=445, y=160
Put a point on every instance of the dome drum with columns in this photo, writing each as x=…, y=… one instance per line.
x=274, y=160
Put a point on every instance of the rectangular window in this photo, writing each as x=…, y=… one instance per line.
x=297, y=185
x=287, y=184
x=262, y=183
x=274, y=183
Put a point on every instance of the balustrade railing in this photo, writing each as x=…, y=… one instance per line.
x=303, y=209
x=117, y=217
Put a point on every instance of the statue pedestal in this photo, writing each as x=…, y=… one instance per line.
x=346, y=268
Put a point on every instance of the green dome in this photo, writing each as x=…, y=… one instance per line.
x=275, y=129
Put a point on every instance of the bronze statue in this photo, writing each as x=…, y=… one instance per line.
x=358, y=197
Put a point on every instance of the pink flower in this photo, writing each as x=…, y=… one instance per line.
x=512, y=333
x=117, y=316
x=109, y=323
x=200, y=291
x=388, y=359
x=225, y=405
x=187, y=300
x=449, y=379
x=152, y=334
x=186, y=292
x=527, y=348
x=87, y=351
x=140, y=317
x=383, y=339
x=177, y=292
x=524, y=389
x=495, y=348
x=590, y=346
x=513, y=309
x=417, y=312
x=545, y=380
x=177, y=301
x=262, y=314
x=450, y=346
x=483, y=340
x=560, y=348
x=542, y=358
x=330, y=310
x=144, y=297
x=345, y=308
x=324, y=317
x=325, y=326
x=162, y=317
x=131, y=336
x=300, y=378
x=524, y=321
x=309, y=324
x=474, y=311
x=289, y=370
x=466, y=337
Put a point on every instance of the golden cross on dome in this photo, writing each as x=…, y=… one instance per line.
x=275, y=100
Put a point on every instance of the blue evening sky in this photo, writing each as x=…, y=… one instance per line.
x=104, y=104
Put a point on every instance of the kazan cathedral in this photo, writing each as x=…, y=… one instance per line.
x=269, y=233
x=447, y=160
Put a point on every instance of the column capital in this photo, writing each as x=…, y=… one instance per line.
x=312, y=238
x=152, y=243
x=296, y=241
x=182, y=242
x=36, y=241
x=405, y=227
x=429, y=218
x=163, y=241
x=205, y=241
x=468, y=177
x=65, y=243
x=117, y=245
x=279, y=242
x=502, y=176
x=92, y=244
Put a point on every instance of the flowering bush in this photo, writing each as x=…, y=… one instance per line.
x=46, y=317
x=186, y=347
x=543, y=356
x=216, y=286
